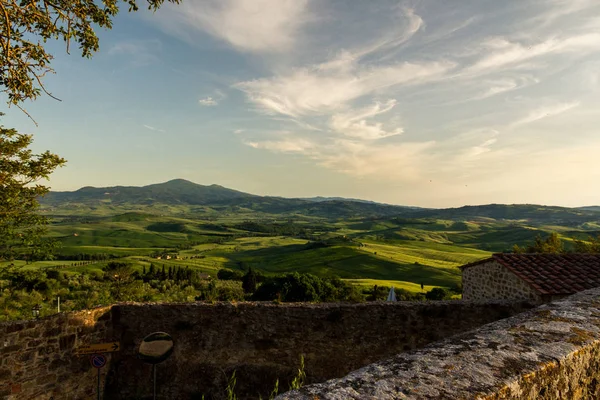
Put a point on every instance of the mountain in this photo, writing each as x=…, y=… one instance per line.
x=590, y=208
x=176, y=191
x=515, y=212
x=183, y=192
x=180, y=192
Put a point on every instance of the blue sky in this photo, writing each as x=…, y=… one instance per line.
x=423, y=102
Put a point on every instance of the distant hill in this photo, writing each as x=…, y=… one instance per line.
x=515, y=212
x=176, y=191
x=183, y=192
x=590, y=208
x=180, y=192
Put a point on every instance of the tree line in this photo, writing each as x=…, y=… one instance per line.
x=553, y=244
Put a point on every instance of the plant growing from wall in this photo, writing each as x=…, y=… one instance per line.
x=300, y=377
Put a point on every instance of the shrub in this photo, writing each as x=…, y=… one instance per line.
x=437, y=294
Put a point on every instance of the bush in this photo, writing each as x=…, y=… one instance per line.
x=229, y=275
x=437, y=294
x=297, y=287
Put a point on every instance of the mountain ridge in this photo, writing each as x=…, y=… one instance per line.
x=184, y=192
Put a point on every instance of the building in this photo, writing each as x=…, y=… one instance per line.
x=536, y=277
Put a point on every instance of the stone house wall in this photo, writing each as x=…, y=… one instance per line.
x=37, y=359
x=492, y=281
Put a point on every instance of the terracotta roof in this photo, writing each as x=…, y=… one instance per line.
x=552, y=274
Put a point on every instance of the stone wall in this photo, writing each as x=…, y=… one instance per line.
x=552, y=353
x=492, y=281
x=260, y=341
x=263, y=341
x=37, y=359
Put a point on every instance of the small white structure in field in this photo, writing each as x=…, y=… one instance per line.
x=391, y=295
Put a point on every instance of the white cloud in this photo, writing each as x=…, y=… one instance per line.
x=330, y=86
x=139, y=53
x=351, y=109
x=545, y=112
x=249, y=25
x=354, y=124
x=287, y=145
x=214, y=100
x=153, y=128
x=503, y=53
x=208, y=101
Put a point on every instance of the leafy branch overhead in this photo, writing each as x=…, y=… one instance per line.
x=27, y=25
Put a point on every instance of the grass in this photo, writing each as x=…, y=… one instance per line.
x=386, y=251
x=410, y=286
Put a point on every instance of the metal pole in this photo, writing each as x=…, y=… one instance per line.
x=154, y=373
x=98, y=383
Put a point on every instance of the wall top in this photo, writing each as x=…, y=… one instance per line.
x=477, y=364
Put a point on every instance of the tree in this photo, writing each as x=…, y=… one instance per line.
x=21, y=228
x=592, y=245
x=437, y=294
x=121, y=276
x=249, y=281
x=552, y=244
x=229, y=275
x=26, y=26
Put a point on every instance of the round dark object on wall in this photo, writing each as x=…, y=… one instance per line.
x=156, y=348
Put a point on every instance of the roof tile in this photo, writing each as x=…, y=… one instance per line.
x=553, y=273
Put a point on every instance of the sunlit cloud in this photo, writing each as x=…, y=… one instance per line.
x=208, y=101
x=427, y=92
x=262, y=26
x=213, y=100
x=545, y=112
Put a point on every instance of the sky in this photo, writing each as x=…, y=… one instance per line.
x=425, y=102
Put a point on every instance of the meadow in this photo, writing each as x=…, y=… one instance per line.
x=404, y=252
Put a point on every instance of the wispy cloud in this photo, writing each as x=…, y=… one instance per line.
x=348, y=112
x=354, y=124
x=545, y=112
x=504, y=53
x=153, y=128
x=332, y=85
x=208, y=101
x=212, y=100
x=138, y=53
x=262, y=26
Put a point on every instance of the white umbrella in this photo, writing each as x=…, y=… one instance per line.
x=391, y=295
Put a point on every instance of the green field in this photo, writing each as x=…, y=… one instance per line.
x=398, y=251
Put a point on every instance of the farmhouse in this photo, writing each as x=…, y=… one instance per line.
x=535, y=277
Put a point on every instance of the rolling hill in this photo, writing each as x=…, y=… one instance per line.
x=188, y=196
x=179, y=192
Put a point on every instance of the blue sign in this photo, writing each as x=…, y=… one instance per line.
x=98, y=360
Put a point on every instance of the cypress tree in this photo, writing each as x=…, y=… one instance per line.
x=249, y=281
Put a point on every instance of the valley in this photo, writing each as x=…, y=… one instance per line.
x=211, y=227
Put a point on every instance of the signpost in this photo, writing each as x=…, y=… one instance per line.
x=98, y=361
x=98, y=348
